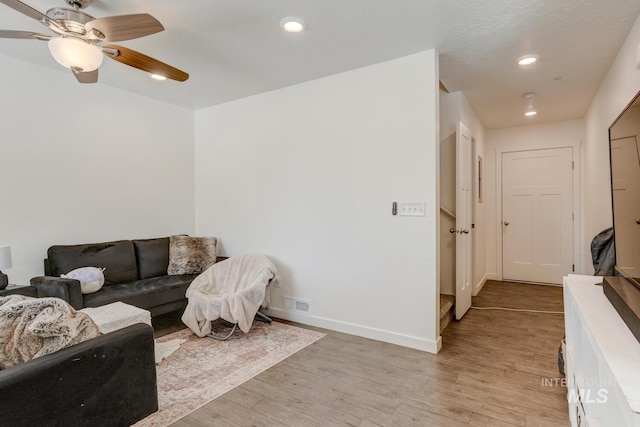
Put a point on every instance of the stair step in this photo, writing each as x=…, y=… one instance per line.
x=446, y=310
x=446, y=303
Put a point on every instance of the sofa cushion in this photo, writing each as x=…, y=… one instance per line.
x=117, y=258
x=144, y=293
x=152, y=257
x=191, y=255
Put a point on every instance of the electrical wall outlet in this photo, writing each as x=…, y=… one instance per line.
x=412, y=208
x=296, y=304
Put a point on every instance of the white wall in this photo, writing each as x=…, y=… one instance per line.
x=84, y=163
x=619, y=87
x=534, y=137
x=307, y=175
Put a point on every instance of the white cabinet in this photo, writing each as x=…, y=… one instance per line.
x=603, y=358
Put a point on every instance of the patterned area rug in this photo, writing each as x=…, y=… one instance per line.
x=203, y=368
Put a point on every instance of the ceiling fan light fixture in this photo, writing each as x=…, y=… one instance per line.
x=292, y=24
x=528, y=59
x=158, y=77
x=76, y=54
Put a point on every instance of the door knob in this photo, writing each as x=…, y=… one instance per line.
x=506, y=223
x=463, y=231
x=638, y=221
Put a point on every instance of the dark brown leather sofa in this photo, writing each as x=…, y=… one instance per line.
x=135, y=273
x=109, y=380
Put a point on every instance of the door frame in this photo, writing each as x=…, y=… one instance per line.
x=577, y=221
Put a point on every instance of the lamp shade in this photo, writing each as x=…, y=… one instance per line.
x=5, y=257
x=75, y=54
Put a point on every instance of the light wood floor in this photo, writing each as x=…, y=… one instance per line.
x=489, y=373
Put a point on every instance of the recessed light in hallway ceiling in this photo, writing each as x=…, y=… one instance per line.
x=528, y=59
x=529, y=100
x=292, y=24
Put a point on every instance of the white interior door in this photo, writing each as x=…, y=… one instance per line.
x=537, y=215
x=625, y=166
x=464, y=174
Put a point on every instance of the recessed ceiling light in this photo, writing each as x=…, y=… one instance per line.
x=158, y=77
x=292, y=24
x=528, y=59
x=529, y=101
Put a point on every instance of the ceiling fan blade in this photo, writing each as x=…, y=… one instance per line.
x=32, y=13
x=26, y=10
x=88, y=77
x=125, y=27
x=10, y=34
x=144, y=62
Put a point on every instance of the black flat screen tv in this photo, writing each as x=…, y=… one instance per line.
x=624, y=144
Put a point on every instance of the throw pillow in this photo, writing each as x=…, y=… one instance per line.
x=191, y=255
x=91, y=278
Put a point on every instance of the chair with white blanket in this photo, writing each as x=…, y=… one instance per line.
x=233, y=290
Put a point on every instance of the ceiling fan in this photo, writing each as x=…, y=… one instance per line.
x=79, y=39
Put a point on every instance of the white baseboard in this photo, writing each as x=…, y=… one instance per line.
x=359, y=330
x=478, y=287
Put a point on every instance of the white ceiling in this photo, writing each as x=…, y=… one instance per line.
x=235, y=48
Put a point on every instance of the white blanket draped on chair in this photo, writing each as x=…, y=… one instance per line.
x=233, y=289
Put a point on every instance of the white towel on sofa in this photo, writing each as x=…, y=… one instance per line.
x=233, y=289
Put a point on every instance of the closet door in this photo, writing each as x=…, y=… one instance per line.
x=537, y=216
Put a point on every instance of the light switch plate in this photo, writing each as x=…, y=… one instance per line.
x=412, y=208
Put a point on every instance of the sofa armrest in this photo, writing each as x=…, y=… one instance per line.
x=109, y=380
x=28, y=291
x=66, y=289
